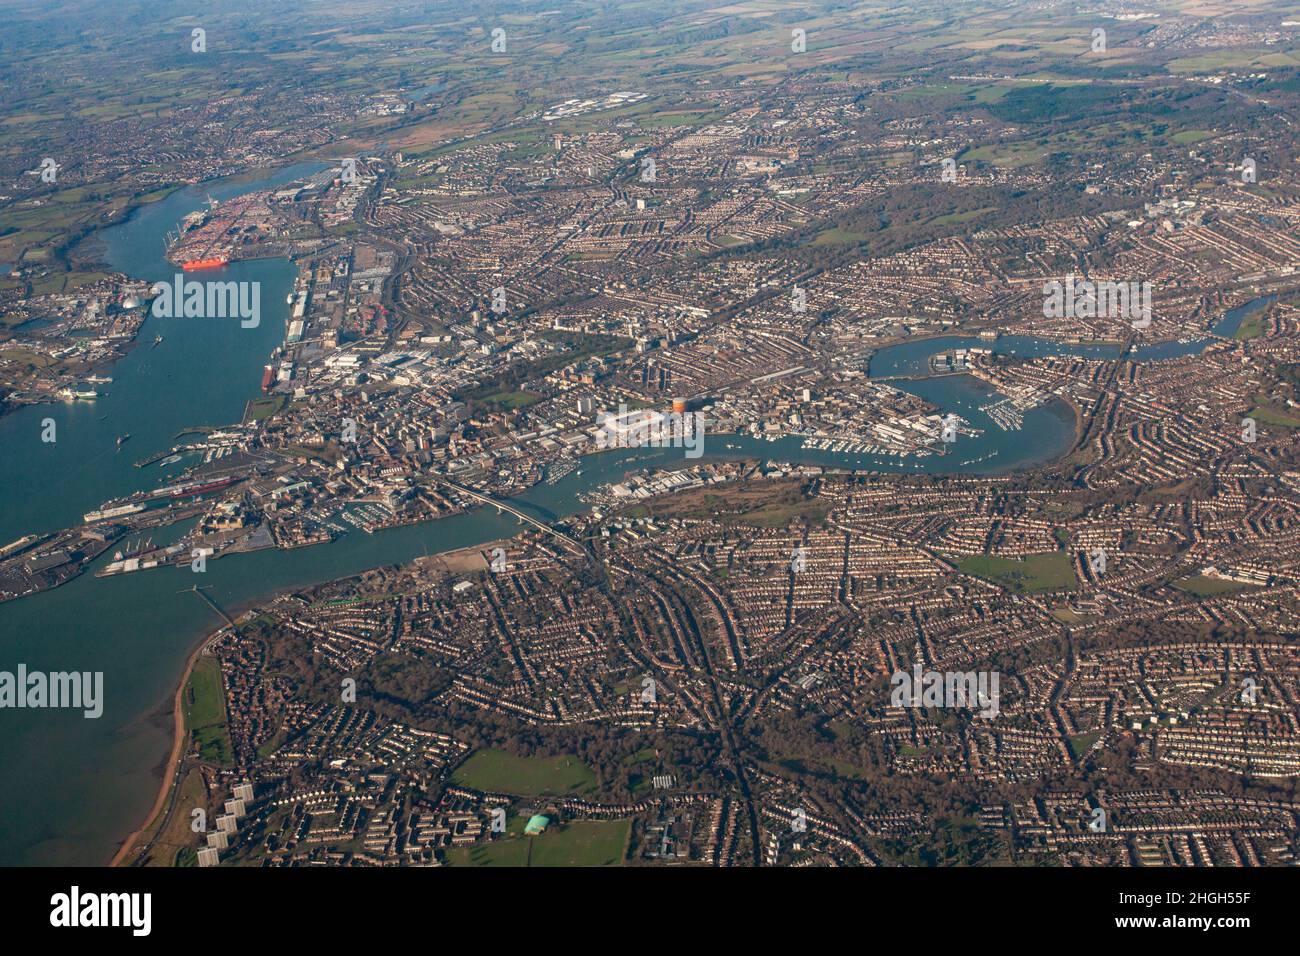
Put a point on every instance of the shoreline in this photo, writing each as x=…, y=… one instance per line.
x=445, y=557
x=169, y=775
x=125, y=851
x=169, y=781
x=174, y=758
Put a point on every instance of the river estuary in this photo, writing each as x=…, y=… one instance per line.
x=71, y=787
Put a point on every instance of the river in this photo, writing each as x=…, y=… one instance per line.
x=73, y=787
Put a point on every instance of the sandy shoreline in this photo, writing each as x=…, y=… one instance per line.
x=457, y=561
x=173, y=761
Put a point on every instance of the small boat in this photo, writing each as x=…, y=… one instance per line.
x=122, y=438
x=156, y=341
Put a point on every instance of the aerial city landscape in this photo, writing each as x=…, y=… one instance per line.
x=771, y=433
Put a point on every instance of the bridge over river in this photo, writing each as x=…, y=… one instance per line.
x=567, y=540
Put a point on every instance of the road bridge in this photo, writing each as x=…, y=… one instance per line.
x=565, y=539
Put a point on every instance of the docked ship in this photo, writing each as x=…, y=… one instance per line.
x=268, y=377
x=185, y=489
x=105, y=514
x=212, y=262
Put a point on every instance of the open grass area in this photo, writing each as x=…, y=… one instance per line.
x=262, y=408
x=205, y=712
x=1014, y=153
x=1036, y=572
x=837, y=236
x=1080, y=743
x=1269, y=416
x=958, y=217
x=504, y=852
x=780, y=514
x=500, y=772
x=25, y=357
x=1221, y=60
x=511, y=400
x=175, y=844
x=1205, y=586
x=1188, y=136
x=1068, y=616
x=758, y=504
x=1252, y=326
x=580, y=843
x=327, y=453
x=56, y=282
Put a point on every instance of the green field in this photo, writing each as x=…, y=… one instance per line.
x=512, y=400
x=499, y=772
x=1037, y=572
x=205, y=712
x=959, y=217
x=508, y=851
x=780, y=514
x=1079, y=743
x=1189, y=136
x=1203, y=586
x=25, y=357
x=263, y=408
x=1267, y=416
x=1252, y=326
x=834, y=237
x=580, y=843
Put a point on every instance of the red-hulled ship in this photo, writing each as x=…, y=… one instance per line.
x=214, y=262
x=203, y=489
x=185, y=489
x=268, y=377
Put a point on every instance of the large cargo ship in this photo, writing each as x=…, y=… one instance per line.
x=268, y=377
x=213, y=262
x=192, y=488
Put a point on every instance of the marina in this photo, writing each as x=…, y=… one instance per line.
x=139, y=631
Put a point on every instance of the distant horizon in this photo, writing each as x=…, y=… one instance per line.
x=651, y=436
